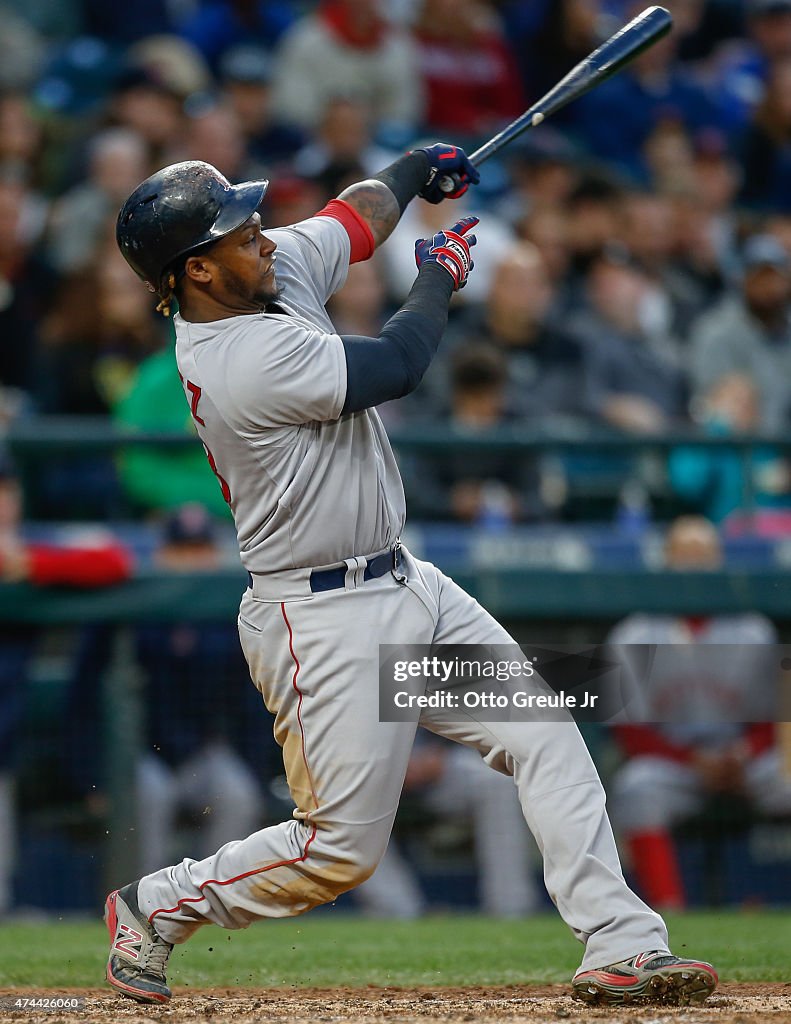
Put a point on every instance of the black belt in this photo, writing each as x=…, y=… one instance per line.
x=335, y=579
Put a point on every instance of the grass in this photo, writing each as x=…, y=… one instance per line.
x=330, y=949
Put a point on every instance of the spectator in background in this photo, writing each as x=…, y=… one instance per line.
x=117, y=162
x=346, y=48
x=422, y=220
x=741, y=66
x=215, y=135
x=779, y=226
x=124, y=24
x=594, y=210
x=143, y=101
x=633, y=375
x=544, y=170
x=54, y=22
x=472, y=82
x=518, y=319
x=21, y=139
x=548, y=230
x=714, y=481
x=647, y=230
x=766, y=149
x=290, y=199
x=617, y=119
x=522, y=23
x=100, y=329
x=667, y=153
x=488, y=489
x=360, y=307
x=25, y=286
x=157, y=479
x=22, y=52
x=698, y=733
x=246, y=79
x=749, y=332
x=705, y=224
x=100, y=564
x=341, y=150
x=571, y=29
x=173, y=62
x=217, y=25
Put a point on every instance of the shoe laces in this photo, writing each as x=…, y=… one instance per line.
x=158, y=957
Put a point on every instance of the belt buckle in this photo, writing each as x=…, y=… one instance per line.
x=400, y=578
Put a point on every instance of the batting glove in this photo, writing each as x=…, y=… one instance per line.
x=450, y=249
x=450, y=166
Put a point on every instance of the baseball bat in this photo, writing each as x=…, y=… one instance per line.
x=630, y=41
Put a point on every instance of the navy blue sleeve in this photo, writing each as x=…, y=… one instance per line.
x=390, y=366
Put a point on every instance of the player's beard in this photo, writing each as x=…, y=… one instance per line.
x=259, y=294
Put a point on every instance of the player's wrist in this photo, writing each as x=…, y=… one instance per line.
x=438, y=278
x=406, y=176
x=430, y=294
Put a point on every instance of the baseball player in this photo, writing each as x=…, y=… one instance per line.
x=709, y=697
x=285, y=408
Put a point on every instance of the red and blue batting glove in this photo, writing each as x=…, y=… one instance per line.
x=449, y=162
x=450, y=249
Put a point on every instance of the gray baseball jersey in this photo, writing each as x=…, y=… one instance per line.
x=307, y=487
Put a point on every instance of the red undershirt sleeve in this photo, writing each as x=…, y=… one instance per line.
x=357, y=229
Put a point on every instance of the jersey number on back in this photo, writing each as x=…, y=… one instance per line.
x=194, y=397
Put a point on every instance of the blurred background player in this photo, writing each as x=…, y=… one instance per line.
x=709, y=700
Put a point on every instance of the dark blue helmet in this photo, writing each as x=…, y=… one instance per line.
x=178, y=210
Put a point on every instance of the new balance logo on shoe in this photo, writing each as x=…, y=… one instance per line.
x=124, y=944
x=138, y=955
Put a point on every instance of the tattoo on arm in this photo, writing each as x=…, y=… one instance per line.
x=376, y=204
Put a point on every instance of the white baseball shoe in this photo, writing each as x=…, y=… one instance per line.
x=656, y=976
x=138, y=956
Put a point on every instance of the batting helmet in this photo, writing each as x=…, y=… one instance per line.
x=178, y=210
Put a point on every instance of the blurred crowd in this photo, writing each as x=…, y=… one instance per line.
x=633, y=277
x=633, y=271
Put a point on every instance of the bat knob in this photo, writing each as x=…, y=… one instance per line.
x=448, y=183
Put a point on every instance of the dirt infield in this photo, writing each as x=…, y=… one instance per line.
x=733, y=1003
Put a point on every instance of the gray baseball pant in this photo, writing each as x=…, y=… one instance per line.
x=315, y=659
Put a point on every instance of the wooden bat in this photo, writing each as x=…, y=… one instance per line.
x=630, y=41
